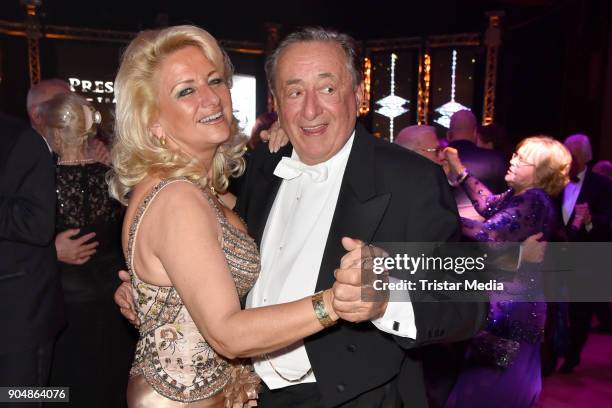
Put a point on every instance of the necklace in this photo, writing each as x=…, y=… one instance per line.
x=291, y=380
x=81, y=161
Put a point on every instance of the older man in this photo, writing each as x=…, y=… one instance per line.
x=586, y=206
x=38, y=94
x=335, y=180
x=30, y=293
x=75, y=251
x=423, y=140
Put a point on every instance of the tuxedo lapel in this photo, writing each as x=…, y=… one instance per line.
x=266, y=188
x=586, y=192
x=359, y=209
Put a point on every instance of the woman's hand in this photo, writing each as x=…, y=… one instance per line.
x=328, y=300
x=455, y=166
x=275, y=137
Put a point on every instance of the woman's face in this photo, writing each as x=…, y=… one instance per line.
x=521, y=174
x=195, y=107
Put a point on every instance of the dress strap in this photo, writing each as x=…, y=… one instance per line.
x=140, y=212
x=216, y=208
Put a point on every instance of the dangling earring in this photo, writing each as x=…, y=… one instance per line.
x=162, y=141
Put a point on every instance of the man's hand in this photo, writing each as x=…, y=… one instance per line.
x=347, y=290
x=582, y=216
x=533, y=249
x=275, y=137
x=125, y=300
x=74, y=251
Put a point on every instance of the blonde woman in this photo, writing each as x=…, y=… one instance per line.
x=95, y=332
x=189, y=256
x=504, y=366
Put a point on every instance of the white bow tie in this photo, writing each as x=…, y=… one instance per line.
x=289, y=169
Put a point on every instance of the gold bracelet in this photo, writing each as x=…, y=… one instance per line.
x=319, y=308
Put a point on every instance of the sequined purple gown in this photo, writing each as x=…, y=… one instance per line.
x=508, y=218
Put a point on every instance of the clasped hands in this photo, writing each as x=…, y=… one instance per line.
x=353, y=298
x=582, y=216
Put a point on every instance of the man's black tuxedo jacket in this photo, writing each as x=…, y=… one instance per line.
x=596, y=191
x=388, y=194
x=30, y=293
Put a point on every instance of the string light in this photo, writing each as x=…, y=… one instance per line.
x=424, y=80
x=449, y=108
x=367, y=77
x=392, y=105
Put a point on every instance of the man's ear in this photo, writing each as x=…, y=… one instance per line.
x=276, y=107
x=275, y=102
x=56, y=141
x=359, y=96
x=36, y=117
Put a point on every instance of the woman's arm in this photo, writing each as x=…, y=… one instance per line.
x=186, y=240
x=484, y=201
x=513, y=223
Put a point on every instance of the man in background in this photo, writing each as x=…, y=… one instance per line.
x=30, y=293
x=75, y=251
x=586, y=207
x=488, y=166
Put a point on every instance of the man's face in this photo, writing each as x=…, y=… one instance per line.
x=578, y=160
x=48, y=92
x=315, y=99
x=431, y=148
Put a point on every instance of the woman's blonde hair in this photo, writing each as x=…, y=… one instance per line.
x=135, y=151
x=66, y=112
x=552, y=162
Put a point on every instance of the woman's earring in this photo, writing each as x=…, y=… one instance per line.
x=162, y=141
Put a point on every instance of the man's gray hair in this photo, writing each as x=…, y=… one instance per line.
x=411, y=137
x=37, y=91
x=583, y=143
x=318, y=34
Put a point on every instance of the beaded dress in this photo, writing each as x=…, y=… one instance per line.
x=511, y=377
x=96, y=335
x=174, y=366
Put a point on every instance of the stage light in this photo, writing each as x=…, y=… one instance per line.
x=367, y=77
x=392, y=105
x=449, y=108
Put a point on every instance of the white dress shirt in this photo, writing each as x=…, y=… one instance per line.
x=570, y=196
x=292, y=249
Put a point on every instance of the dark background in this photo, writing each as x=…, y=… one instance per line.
x=554, y=72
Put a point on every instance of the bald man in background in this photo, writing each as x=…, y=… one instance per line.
x=423, y=140
x=488, y=166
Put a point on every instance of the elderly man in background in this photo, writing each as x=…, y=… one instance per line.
x=586, y=207
x=423, y=140
x=75, y=251
x=30, y=293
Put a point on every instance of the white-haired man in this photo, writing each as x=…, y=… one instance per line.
x=586, y=206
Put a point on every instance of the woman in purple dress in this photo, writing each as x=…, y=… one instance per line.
x=503, y=362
